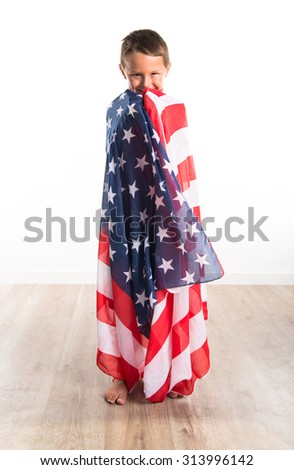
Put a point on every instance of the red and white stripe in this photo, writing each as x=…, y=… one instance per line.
x=177, y=352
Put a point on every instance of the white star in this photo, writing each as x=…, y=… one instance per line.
x=111, y=253
x=136, y=244
x=191, y=229
x=122, y=189
x=166, y=265
x=155, y=136
x=151, y=191
x=145, y=138
x=131, y=109
x=114, y=136
x=108, y=123
x=105, y=187
x=161, y=185
x=119, y=111
x=141, y=162
x=109, y=106
x=122, y=161
x=154, y=156
x=146, y=244
x=128, y=135
x=179, y=198
x=162, y=232
x=143, y=215
x=111, y=225
x=154, y=170
x=133, y=189
x=189, y=277
x=152, y=300
x=122, y=96
x=112, y=166
x=141, y=298
x=158, y=201
x=111, y=195
x=201, y=260
x=168, y=166
x=129, y=275
x=127, y=248
x=181, y=247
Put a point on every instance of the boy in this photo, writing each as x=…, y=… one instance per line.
x=144, y=60
x=150, y=301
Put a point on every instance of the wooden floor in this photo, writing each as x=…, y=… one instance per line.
x=51, y=393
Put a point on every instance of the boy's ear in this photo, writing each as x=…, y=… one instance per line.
x=168, y=67
x=122, y=71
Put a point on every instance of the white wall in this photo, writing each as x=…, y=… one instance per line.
x=232, y=64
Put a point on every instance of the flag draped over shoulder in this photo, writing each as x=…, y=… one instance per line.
x=154, y=256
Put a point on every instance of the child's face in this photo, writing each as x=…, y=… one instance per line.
x=144, y=71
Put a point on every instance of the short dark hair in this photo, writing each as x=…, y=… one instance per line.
x=145, y=41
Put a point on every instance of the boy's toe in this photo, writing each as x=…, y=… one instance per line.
x=120, y=401
x=110, y=398
x=174, y=395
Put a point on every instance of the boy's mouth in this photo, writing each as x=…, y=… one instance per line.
x=140, y=90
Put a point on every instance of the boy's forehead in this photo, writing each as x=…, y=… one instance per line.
x=138, y=59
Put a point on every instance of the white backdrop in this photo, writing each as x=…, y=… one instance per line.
x=232, y=64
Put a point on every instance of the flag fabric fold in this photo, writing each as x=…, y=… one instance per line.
x=154, y=257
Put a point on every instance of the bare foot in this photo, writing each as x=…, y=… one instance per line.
x=117, y=392
x=174, y=395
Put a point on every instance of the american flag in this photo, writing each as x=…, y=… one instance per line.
x=154, y=257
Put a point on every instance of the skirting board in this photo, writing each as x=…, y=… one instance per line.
x=90, y=278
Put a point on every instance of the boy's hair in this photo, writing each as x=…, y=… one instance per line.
x=145, y=41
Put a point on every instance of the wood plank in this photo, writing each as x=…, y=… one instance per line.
x=51, y=392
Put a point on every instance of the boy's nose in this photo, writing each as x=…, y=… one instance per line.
x=146, y=82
